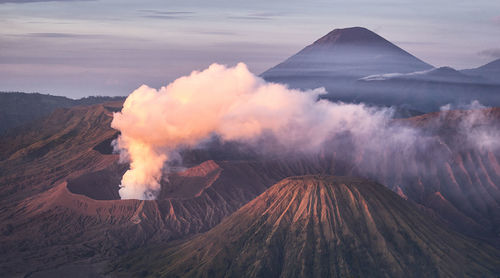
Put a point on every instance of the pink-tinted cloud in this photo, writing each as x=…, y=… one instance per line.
x=237, y=106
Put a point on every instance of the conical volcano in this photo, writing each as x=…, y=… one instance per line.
x=322, y=226
x=349, y=53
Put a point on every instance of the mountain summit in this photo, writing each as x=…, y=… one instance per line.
x=321, y=226
x=353, y=35
x=348, y=53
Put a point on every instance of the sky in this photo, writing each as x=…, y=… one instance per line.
x=78, y=48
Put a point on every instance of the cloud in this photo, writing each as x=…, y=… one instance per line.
x=473, y=105
x=417, y=43
x=36, y=1
x=215, y=32
x=159, y=14
x=387, y=76
x=234, y=105
x=246, y=17
x=61, y=35
x=256, y=16
x=165, y=17
x=490, y=53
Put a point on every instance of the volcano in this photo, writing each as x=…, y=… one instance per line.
x=349, y=53
x=357, y=65
x=321, y=226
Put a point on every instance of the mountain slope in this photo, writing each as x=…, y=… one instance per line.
x=53, y=148
x=428, y=90
x=17, y=109
x=389, y=75
x=351, y=53
x=64, y=166
x=490, y=71
x=321, y=226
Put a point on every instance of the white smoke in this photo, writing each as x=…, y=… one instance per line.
x=473, y=105
x=474, y=125
x=234, y=104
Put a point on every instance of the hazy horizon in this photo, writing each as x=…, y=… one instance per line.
x=81, y=48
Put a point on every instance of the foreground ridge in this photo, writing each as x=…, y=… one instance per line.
x=322, y=226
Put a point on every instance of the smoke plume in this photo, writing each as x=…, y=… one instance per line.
x=231, y=103
x=235, y=105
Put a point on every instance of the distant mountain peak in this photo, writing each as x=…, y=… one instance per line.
x=346, y=53
x=351, y=35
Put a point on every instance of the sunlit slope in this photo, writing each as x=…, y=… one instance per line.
x=321, y=226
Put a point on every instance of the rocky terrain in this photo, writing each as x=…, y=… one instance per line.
x=18, y=109
x=320, y=226
x=430, y=207
x=61, y=180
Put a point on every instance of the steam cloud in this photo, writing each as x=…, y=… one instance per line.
x=231, y=103
x=236, y=105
